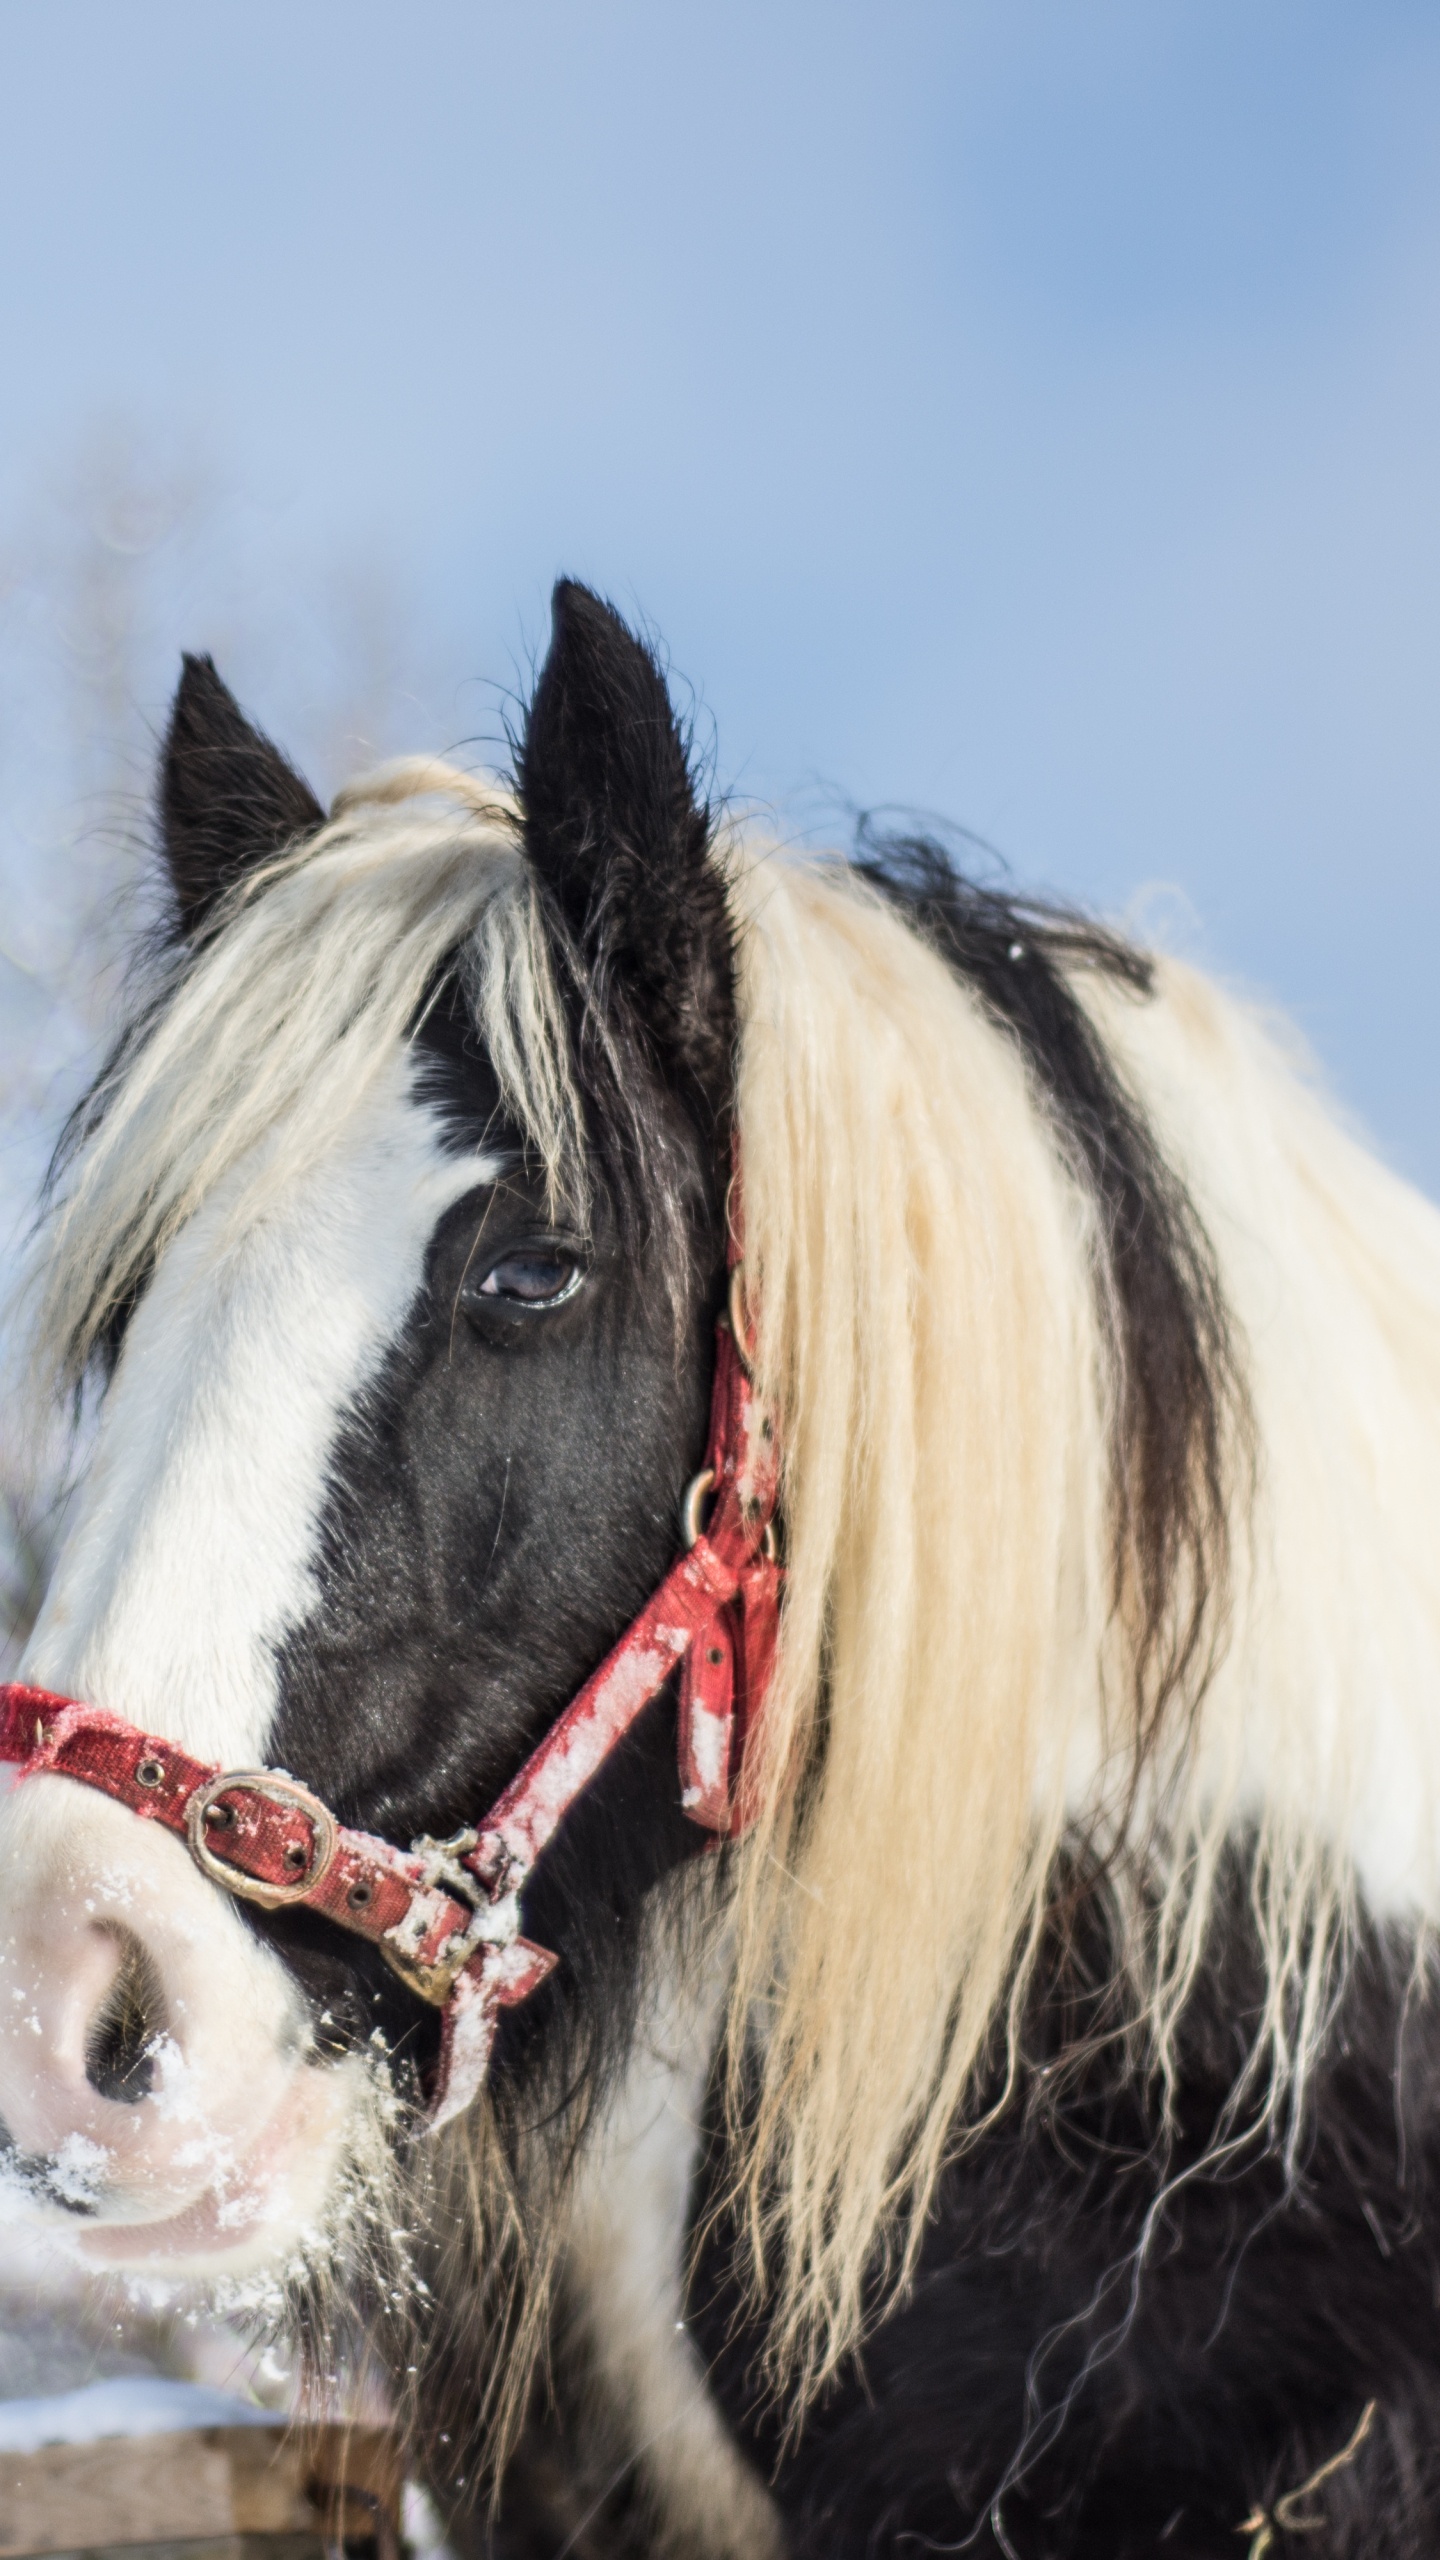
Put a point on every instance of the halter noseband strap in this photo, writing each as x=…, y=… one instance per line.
x=445, y=1914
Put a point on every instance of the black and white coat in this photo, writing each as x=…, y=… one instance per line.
x=1109, y=1374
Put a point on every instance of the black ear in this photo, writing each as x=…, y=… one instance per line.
x=621, y=843
x=228, y=799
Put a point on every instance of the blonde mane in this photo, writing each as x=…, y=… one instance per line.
x=931, y=1340
x=955, y=1695
x=955, y=1701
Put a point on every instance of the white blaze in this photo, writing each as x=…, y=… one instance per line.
x=192, y=1558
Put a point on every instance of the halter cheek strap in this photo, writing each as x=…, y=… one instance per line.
x=445, y=1914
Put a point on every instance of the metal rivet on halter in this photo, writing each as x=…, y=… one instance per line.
x=149, y=1772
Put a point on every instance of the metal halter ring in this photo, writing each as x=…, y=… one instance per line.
x=276, y=1790
x=692, y=1507
x=692, y=1515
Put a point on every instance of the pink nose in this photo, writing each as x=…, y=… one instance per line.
x=158, y=2078
x=85, y=2035
x=81, y=2040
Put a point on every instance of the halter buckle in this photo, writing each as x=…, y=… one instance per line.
x=289, y=1796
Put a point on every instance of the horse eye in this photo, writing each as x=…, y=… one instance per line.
x=533, y=1279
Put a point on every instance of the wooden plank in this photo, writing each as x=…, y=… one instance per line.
x=209, y=2485
x=230, y=2546
x=69, y=2496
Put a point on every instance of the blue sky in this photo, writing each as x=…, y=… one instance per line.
x=1029, y=412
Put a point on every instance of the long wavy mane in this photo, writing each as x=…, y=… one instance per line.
x=1011, y=1637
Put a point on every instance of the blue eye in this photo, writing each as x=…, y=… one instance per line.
x=533, y=1279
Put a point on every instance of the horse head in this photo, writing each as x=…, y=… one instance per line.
x=397, y=1232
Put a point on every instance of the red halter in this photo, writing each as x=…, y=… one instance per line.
x=445, y=1914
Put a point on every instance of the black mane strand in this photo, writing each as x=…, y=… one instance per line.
x=1180, y=1403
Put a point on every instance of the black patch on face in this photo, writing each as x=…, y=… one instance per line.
x=502, y=1503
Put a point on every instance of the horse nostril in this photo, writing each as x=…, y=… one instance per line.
x=120, y=2048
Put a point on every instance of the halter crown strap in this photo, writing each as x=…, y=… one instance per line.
x=445, y=1914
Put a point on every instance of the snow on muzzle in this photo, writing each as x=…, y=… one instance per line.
x=159, y=2094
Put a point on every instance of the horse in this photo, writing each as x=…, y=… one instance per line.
x=956, y=2065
